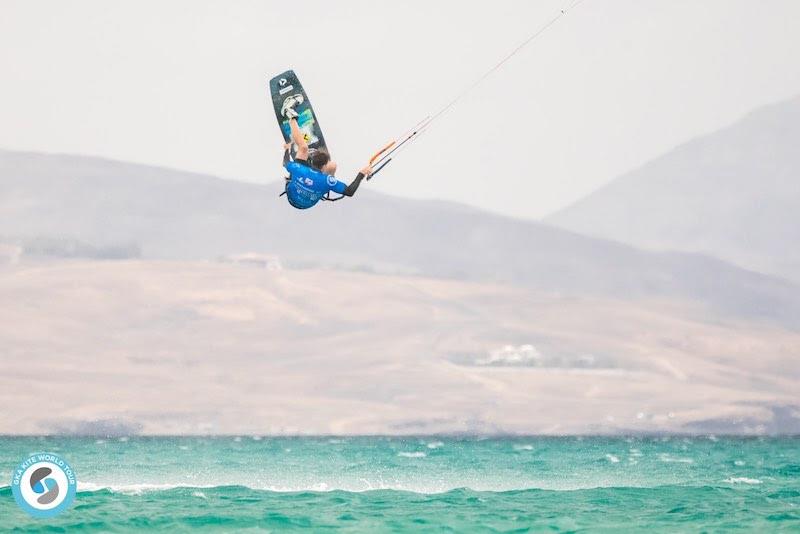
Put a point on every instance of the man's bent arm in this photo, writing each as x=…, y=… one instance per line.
x=350, y=190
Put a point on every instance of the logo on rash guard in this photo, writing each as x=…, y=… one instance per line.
x=331, y=181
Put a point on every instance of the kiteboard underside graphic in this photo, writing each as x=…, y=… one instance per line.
x=283, y=86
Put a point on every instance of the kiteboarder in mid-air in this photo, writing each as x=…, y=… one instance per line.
x=311, y=170
x=311, y=174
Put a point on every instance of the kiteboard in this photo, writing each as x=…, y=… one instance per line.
x=283, y=86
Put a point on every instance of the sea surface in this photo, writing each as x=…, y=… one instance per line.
x=424, y=484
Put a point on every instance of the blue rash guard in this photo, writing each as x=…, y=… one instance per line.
x=307, y=185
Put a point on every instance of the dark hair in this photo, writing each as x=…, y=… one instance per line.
x=319, y=158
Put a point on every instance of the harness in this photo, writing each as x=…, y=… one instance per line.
x=327, y=196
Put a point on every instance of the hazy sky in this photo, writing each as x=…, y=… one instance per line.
x=184, y=84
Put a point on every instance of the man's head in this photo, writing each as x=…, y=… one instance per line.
x=321, y=160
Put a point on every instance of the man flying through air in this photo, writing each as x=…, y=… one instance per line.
x=309, y=181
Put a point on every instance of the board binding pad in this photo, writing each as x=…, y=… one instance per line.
x=285, y=85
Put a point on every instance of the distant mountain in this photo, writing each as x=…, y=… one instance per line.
x=173, y=347
x=733, y=194
x=166, y=214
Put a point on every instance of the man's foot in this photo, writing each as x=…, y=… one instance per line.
x=287, y=110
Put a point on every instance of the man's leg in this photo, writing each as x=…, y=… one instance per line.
x=297, y=136
x=290, y=113
x=299, y=140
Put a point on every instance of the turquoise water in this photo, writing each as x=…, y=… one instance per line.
x=442, y=484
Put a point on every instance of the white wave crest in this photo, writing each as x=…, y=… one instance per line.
x=426, y=487
x=666, y=458
x=742, y=480
x=135, y=489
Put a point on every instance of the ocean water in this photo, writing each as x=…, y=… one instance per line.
x=425, y=484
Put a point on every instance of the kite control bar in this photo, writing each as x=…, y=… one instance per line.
x=379, y=167
x=382, y=161
x=382, y=157
x=377, y=155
